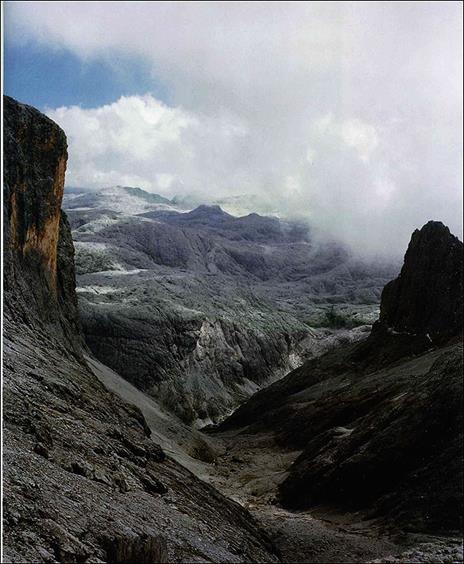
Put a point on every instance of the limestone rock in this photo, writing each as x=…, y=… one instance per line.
x=379, y=422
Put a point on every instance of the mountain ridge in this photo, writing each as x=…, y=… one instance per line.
x=201, y=308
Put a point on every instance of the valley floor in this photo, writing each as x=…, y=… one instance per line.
x=247, y=468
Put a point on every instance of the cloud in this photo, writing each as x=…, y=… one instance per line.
x=349, y=114
x=140, y=141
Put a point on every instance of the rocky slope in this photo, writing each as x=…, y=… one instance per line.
x=378, y=424
x=83, y=481
x=200, y=309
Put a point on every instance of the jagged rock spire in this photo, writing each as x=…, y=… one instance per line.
x=427, y=296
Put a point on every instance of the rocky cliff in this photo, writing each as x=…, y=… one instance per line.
x=83, y=481
x=426, y=300
x=39, y=277
x=35, y=160
x=379, y=423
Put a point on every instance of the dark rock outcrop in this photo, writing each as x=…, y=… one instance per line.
x=379, y=422
x=83, y=481
x=427, y=297
x=140, y=550
x=422, y=307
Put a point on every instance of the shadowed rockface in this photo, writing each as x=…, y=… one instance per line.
x=427, y=297
x=379, y=422
x=423, y=306
x=83, y=481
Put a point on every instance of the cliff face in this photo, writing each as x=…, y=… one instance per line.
x=83, y=481
x=38, y=252
x=427, y=297
x=35, y=161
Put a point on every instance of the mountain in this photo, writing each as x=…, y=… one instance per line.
x=200, y=309
x=378, y=423
x=124, y=199
x=83, y=481
x=426, y=300
x=354, y=456
x=238, y=205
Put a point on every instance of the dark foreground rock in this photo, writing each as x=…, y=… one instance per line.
x=399, y=451
x=83, y=481
x=379, y=423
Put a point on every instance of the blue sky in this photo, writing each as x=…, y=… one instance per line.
x=53, y=77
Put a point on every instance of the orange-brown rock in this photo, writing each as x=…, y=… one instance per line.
x=37, y=237
x=35, y=161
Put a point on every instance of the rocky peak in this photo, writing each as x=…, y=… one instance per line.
x=209, y=210
x=427, y=297
x=38, y=251
x=35, y=165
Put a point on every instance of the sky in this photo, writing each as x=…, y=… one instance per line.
x=346, y=114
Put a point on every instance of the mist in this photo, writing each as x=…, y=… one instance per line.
x=347, y=115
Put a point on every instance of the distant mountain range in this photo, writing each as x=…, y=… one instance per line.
x=237, y=205
x=200, y=308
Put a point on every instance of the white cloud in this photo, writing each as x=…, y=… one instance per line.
x=139, y=140
x=347, y=113
x=361, y=136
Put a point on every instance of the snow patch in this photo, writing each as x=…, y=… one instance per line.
x=97, y=289
x=121, y=271
x=91, y=245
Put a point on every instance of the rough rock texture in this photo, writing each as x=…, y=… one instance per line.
x=37, y=238
x=35, y=158
x=427, y=297
x=380, y=428
x=83, y=481
x=423, y=306
x=200, y=309
x=399, y=451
